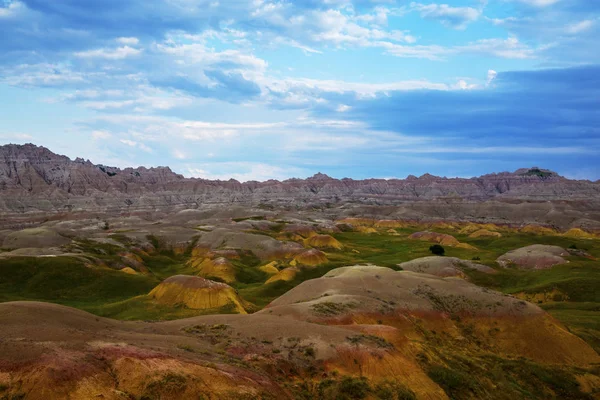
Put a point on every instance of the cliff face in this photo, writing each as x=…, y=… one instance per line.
x=33, y=179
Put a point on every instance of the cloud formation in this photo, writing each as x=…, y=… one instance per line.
x=353, y=87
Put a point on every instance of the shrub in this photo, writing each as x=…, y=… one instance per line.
x=353, y=388
x=309, y=352
x=437, y=250
x=393, y=391
x=453, y=382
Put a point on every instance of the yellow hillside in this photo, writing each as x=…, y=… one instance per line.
x=196, y=293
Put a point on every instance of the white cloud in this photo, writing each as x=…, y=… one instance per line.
x=44, y=74
x=131, y=41
x=456, y=17
x=539, y=3
x=118, y=53
x=503, y=48
x=139, y=145
x=579, y=27
x=491, y=76
x=499, y=149
x=510, y=48
x=15, y=136
x=12, y=10
x=128, y=142
x=243, y=171
x=196, y=53
x=101, y=135
x=464, y=85
x=178, y=154
x=303, y=92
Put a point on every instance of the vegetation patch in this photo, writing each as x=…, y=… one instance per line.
x=370, y=340
x=329, y=308
x=390, y=390
x=169, y=386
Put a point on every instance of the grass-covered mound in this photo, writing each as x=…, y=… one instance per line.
x=67, y=280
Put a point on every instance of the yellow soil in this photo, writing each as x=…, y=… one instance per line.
x=578, y=233
x=356, y=221
x=471, y=227
x=270, y=268
x=132, y=256
x=179, y=248
x=365, y=229
x=485, y=233
x=129, y=270
x=284, y=275
x=443, y=225
x=544, y=297
x=390, y=223
x=134, y=376
x=200, y=252
x=219, y=268
x=311, y=258
x=538, y=230
x=324, y=241
x=441, y=238
x=384, y=366
x=197, y=298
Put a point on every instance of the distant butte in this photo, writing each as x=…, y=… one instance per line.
x=34, y=180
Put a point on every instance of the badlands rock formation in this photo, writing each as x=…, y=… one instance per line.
x=537, y=256
x=33, y=181
x=443, y=266
x=196, y=293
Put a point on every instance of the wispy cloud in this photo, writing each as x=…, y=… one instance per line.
x=455, y=17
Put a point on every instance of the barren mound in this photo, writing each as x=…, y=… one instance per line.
x=324, y=242
x=484, y=233
x=270, y=268
x=263, y=246
x=196, y=293
x=443, y=266
x=434, y=237
x=441, y=238
x=218, y=268
x=286, y=274
x=366, y=229
x=536, y=256
x=538, y=230
x=389, y=223
x=35, y=238
x=312, y=257
x=305, y=231
x=470, y=228
x=370, y=289
x=578, y=234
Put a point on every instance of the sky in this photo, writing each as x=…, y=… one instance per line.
x=260, y=89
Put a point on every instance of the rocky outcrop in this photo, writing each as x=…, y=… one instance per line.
x=537, y=256
x=444, y=266
x=35, y=180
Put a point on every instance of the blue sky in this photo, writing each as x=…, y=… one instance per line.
x=259, y=89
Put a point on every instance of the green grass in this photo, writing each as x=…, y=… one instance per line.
x=165, y=265
x=107, y=292
x=66, y=280
x=481, y=376
x=579, y=279
x=582, y=319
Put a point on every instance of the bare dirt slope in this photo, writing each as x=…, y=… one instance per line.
x=356, y=324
